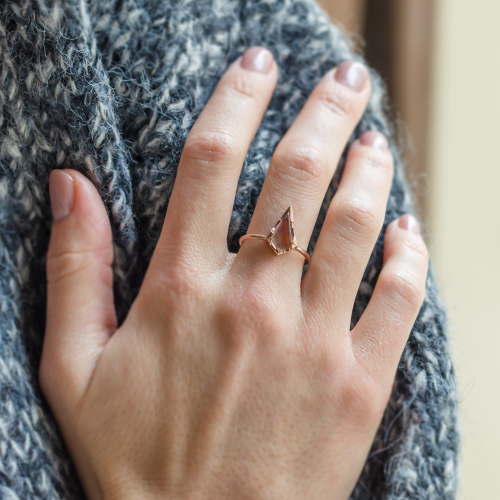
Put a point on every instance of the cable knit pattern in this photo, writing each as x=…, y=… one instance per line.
x=111, y=88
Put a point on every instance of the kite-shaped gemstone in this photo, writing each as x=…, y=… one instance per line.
x=282, y=236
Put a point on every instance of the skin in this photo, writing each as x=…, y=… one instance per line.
x=232, y=377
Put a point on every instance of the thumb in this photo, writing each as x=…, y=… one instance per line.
x=80, y=309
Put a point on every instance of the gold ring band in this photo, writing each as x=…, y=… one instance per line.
x=281, y=239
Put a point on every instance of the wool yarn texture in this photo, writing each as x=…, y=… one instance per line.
x=111, y=88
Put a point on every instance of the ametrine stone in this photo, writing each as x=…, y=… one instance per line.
x=282, y=236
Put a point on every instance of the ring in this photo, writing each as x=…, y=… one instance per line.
x=282, y=236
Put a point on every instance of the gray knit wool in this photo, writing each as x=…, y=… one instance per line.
x=111, y=88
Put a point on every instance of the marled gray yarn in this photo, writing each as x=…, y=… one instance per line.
x=111, y=88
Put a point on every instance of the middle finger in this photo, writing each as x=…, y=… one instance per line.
x=200, y=207
x=303, y=166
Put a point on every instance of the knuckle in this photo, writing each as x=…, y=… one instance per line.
x=254, y=312
x=351, y=390
x=237, y=326
x=417, y=249
x=337, y=101
x=179, y=290
x=257, y=307
x=329, y=359
x=219, y=148
x=71, y=263
x=404, y=288
x=245, y=324
x=360, y=402
x=242, y=86
x=378, y=160
x=301, y=163
x=359, y=395
x=346, y=386
x=355, y=216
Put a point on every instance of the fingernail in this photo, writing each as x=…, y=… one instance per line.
x=352, y=74
x=374, y=139
x=257, y=59
x=62, y=194
x=409, y=223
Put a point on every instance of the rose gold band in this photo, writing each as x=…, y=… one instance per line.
x=264, y=238
x=252, y=237
x=281, y=239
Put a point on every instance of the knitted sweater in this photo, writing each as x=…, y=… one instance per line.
x=111, y=88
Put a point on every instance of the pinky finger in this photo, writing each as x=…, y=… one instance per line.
x=383, y=329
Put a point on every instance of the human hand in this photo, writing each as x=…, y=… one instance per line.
x=232, y=378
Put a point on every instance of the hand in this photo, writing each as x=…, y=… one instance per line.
x=231, y=377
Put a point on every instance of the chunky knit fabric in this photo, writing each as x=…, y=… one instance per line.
x=111, y=88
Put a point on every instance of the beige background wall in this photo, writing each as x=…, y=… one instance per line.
x=464, y=220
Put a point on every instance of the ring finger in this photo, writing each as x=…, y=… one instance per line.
x=303, y=165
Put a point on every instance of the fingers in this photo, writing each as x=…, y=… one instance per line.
x=305, y=160
x=80, y=309
x=201, y=204
x=350, y=231
x=381, y=333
